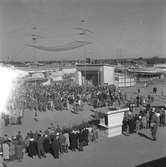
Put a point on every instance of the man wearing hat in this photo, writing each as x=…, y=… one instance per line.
x=40, y=142
x=55, y=146
x=154, y=123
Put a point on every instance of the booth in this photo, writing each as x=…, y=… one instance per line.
x=111, y=120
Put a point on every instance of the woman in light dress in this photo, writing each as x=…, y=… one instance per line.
x=5, y=147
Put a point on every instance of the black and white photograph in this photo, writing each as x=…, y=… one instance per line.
x=82, y=83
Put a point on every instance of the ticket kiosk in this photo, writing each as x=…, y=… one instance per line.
x=111, y=120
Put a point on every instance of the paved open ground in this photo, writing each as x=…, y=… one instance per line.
x=63, y=118
x=120, y=151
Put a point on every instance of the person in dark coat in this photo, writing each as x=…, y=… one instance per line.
x=71, y=137
x=85, y=136
x=132, y=124
x=46, y=143
x=55, y=147
x=80, y=140
x=32, y=148
x=75, y=140
x=31, y=134
x=6, y=119
x=138, y=101
x=139, y=90
x=154, y=90
x=40, y=146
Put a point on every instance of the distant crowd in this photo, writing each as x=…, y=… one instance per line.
x=63, y=97
x=42, y=98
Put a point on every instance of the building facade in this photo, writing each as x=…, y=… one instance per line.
x=95, y=74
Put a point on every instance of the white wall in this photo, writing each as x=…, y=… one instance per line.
x=115, y=119
x=69, y=70
x=37, y=75
x=108, y=75
x=160, y=65
x=79, y=78
x=57, y=76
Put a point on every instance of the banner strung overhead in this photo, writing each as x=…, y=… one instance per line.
x=65, y=47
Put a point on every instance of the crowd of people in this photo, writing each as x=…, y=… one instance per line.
x=54, y=140
x=62, y=97
x=143, y=115
x=38, y=97
x=149, y=117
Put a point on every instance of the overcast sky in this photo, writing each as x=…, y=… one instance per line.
x=121, y=28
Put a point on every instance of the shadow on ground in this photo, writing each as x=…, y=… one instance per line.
x=155, y=163
x=144, y=135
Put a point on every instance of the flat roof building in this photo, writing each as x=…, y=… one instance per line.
x=95, y=74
